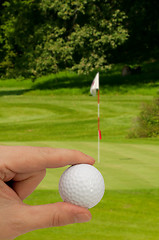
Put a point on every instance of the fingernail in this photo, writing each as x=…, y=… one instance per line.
x=79, y=218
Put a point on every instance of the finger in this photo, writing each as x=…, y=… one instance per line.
x=29, y=159
x=25, y=184
x=51, y=215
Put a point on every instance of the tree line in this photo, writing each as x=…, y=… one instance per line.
x=38, y=37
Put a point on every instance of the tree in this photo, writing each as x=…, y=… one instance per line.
x=81, y=35
x=142, y=24
x=45, y=36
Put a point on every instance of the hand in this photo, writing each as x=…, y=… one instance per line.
x=21, y=170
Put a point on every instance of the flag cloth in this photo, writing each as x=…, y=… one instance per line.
x=95, y=85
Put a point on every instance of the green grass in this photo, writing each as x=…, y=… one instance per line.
x=121, y=215
x=70, y=83
x=57, y=111
x=59, y=118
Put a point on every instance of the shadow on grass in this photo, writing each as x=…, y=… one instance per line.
x=13, y=92
x=58, y=82
x=110, y=78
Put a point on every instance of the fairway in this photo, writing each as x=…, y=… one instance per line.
x=128, y=210
x=67, y=118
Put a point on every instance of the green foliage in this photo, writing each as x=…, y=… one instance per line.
x=40, y=37
x=147, y=123
x=84, y=36
x=20, y=20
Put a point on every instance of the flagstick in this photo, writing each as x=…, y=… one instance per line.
x=98, y=130
x=94, y=87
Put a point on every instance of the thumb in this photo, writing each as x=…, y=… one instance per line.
x=52, y=215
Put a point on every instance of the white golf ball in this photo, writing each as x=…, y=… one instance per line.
x=82, y=185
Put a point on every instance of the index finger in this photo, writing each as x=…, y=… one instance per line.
x=23, y=159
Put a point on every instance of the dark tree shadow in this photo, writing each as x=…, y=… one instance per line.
x=13, y=92
x=109, y=78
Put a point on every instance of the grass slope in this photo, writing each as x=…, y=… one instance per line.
x=70, y=83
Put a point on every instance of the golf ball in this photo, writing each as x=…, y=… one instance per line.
x=82, y=185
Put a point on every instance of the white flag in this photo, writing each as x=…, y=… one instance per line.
x=95, y=85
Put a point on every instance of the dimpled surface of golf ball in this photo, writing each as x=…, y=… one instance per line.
x=82, y=185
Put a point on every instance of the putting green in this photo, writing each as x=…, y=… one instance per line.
x=125, y=166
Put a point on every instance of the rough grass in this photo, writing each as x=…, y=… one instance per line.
x=147, y=123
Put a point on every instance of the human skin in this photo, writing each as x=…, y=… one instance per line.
x=21, y=170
